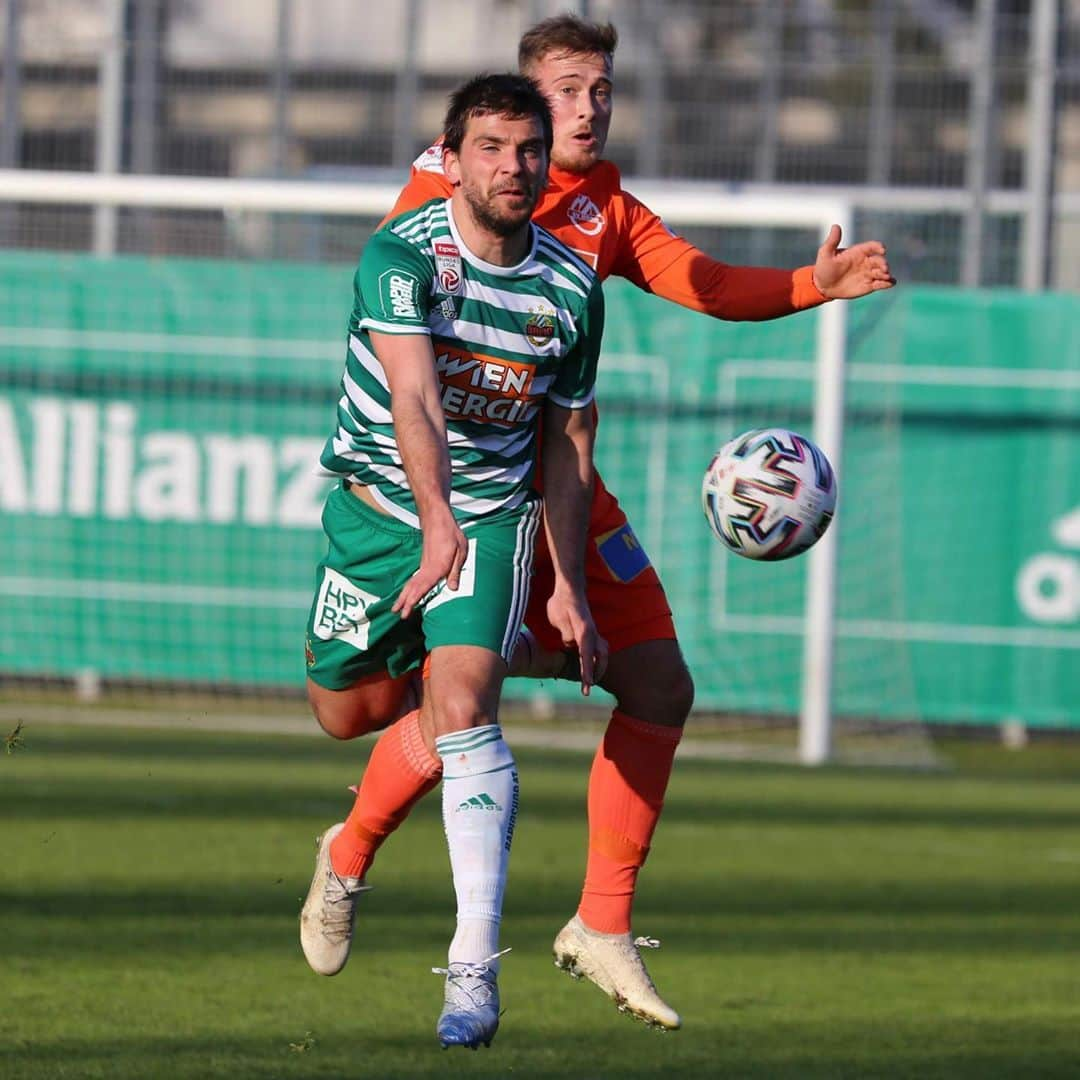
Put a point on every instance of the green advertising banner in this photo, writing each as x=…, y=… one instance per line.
x=160, y=421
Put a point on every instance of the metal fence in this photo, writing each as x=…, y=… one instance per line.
x=954, y=127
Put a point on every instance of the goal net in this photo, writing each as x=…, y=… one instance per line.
x=172, y=351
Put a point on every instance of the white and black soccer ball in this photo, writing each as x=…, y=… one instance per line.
x=769, y=494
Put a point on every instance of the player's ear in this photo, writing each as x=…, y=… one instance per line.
x=451, y=167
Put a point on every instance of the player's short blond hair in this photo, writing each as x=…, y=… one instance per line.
x=565, y=34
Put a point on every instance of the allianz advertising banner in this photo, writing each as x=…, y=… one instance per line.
x=159, y=511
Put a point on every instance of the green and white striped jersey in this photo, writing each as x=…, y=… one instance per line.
x=503, y=338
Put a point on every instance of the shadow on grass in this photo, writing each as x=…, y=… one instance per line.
x=553, y=783
x=578, y=1052
x=236, y=796
x=1048, y=759
x=753, y=915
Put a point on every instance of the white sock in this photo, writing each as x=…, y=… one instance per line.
x=480, y=800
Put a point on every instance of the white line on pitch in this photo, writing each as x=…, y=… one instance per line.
x=948, y=633
x=914, y=374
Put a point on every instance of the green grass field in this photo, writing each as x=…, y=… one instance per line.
x=814, y=924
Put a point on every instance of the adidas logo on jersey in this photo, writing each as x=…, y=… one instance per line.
x=483, y=801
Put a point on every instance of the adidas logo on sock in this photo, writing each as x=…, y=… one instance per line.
x=483, y=801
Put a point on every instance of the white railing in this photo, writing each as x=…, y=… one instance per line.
x=679, y=204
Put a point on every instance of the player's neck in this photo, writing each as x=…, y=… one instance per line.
x=488, y=246
x=561, y=177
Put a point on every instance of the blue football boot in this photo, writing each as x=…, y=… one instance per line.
x=470, y=1014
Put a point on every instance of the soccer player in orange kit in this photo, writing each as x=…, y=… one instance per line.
x=585, y=206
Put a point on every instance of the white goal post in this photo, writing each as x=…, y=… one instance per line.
x=678, y=203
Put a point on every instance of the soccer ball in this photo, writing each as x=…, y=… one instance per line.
x=769, y=494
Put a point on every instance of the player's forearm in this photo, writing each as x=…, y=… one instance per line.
x=736, y=293
x=420, y=430
x=568, y=485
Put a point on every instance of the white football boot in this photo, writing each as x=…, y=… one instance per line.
x=613, y=963
x=328, y=914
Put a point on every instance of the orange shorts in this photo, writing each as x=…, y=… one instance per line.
x=624, y=591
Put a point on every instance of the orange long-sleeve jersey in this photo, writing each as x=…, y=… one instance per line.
x=618, y=235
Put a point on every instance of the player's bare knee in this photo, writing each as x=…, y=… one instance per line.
x=680, y=696
x=335, y=722
x=333, y=728
x=662, y=694
x=667, y=703
x=347, y=715
x=319, y=709
x=461, y=713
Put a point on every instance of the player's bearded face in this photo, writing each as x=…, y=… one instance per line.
x=503, y=169
x=579, y=87
x=501, y=209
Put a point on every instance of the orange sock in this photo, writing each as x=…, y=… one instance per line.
x=626, y=794
x=400, y=772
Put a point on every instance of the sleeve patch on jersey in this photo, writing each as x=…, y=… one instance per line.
x=399, y=293
x=622, y=553
x=431, y=159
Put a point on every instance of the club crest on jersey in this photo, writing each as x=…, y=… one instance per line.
x=540, y=329
x=448, y=268
x=585, y=215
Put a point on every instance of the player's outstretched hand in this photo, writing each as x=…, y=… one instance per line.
x=568, y=612
x=845, y=273
x=442, y=556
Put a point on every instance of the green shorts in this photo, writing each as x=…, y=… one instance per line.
x=351, y=630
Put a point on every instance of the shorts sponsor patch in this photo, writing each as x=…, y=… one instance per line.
x=341, y=611
x=466, y=583
x=622, y=553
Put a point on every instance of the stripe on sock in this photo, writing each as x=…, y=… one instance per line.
x=464, y=742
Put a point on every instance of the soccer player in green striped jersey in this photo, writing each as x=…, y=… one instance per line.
x=469, y=322
x=503, y=339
